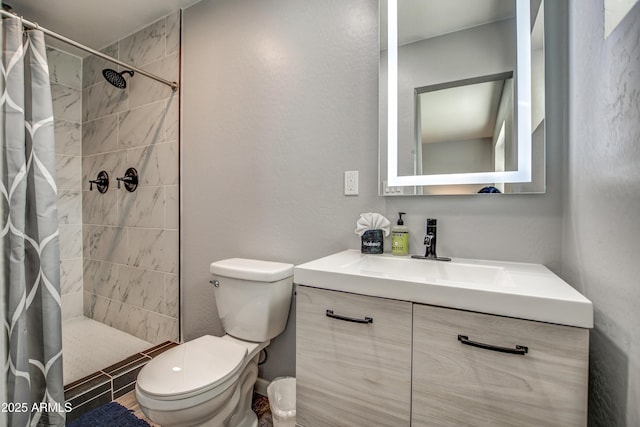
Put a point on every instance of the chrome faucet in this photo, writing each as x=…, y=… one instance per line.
x=430, y=240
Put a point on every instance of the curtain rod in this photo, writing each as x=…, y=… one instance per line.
x=35, y=26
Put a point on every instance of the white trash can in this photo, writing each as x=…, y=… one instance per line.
x=282, y=400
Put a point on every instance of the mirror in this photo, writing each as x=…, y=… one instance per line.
x=461, y=97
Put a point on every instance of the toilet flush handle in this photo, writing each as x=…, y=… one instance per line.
x=214, y=283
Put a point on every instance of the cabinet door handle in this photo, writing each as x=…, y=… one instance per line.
x=520, y=349
x=331, y=314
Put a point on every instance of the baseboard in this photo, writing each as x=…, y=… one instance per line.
x=261, y=386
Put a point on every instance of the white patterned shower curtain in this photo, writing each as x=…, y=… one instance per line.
x=30, y=262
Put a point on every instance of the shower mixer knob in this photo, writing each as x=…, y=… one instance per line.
x=101, y=182
x=130, y=180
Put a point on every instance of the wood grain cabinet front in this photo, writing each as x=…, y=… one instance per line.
x=353, y=360
x=474, y=369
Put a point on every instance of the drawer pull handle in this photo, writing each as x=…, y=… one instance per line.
x=331, y=314
x=520, y=349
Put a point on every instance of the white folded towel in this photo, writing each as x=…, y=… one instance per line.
x=372, y=221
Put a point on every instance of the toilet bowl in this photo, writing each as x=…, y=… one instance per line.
x=209, y=381
x=202, y=382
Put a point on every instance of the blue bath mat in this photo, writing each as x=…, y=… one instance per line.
x=110, y=415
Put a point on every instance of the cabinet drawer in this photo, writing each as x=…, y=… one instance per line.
x=348, y=373
x=457, y=384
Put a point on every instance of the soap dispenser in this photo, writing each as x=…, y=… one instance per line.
x=400, y=237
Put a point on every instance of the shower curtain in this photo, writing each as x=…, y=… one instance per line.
x=29, y=233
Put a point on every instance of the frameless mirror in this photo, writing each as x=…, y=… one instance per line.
x=461, y=97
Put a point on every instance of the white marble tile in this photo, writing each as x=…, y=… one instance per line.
x=172, y=207
x=67, y=103
x=70, y=241
x=64, y=68
x=71, y=272
x=172, y=33
x=145, y=91
x=128, y=318
x=142, y=208
x=154, y=249
x=68, y=137
x=86, y=241
x=108, y=244
x=72, y=305
x=113, y=163
x=98, y=308
x=69, y=207
x=92, y=207
x=156, y=164
x=103, y=99
x=144, y=46
x=142, y=126
x=171, y=295
x=131, y=285
x=142, y=288
x=100, y=208
x=172, y=120
x=161, y=328
x=100, y=135
x=92, y=66
x=121, y=316
x=89, y=304
x=69, y=172
x=101, y=278
x=169, y=159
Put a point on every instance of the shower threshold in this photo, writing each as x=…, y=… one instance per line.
x=88, y=346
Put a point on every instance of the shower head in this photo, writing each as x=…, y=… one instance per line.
x=115, y=78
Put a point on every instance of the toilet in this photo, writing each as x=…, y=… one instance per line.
x=209, y=381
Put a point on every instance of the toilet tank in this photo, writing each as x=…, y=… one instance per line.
x=253, y=297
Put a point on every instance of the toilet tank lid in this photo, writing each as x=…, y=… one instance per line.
x=252, y=269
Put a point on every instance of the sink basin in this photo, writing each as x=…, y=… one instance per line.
x=425, y=271
x=527, y=291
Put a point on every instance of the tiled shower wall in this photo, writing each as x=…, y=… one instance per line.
x=65, y=74
x=131, y=238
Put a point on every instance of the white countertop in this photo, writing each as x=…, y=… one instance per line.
x=521, y=290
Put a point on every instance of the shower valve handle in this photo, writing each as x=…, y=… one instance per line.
x=101, y=182
x=125, y=179
x=130, y=180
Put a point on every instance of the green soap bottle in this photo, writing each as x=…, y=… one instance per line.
x=400, y=237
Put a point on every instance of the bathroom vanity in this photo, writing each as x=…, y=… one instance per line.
x=393, y=341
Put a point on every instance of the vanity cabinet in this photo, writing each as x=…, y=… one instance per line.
x=353, y=359
x=482, y=385
x=422, y=365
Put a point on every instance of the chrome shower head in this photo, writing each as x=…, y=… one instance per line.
x=116, y=78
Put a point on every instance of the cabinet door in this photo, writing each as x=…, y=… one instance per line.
x=348, y=373
x=462, y=385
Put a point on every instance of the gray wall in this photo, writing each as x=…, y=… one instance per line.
x=602, y=203
x=280, y=97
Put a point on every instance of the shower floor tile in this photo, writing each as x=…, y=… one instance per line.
x=89, y=346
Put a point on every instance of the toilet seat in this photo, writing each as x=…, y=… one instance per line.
x=192, y=368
